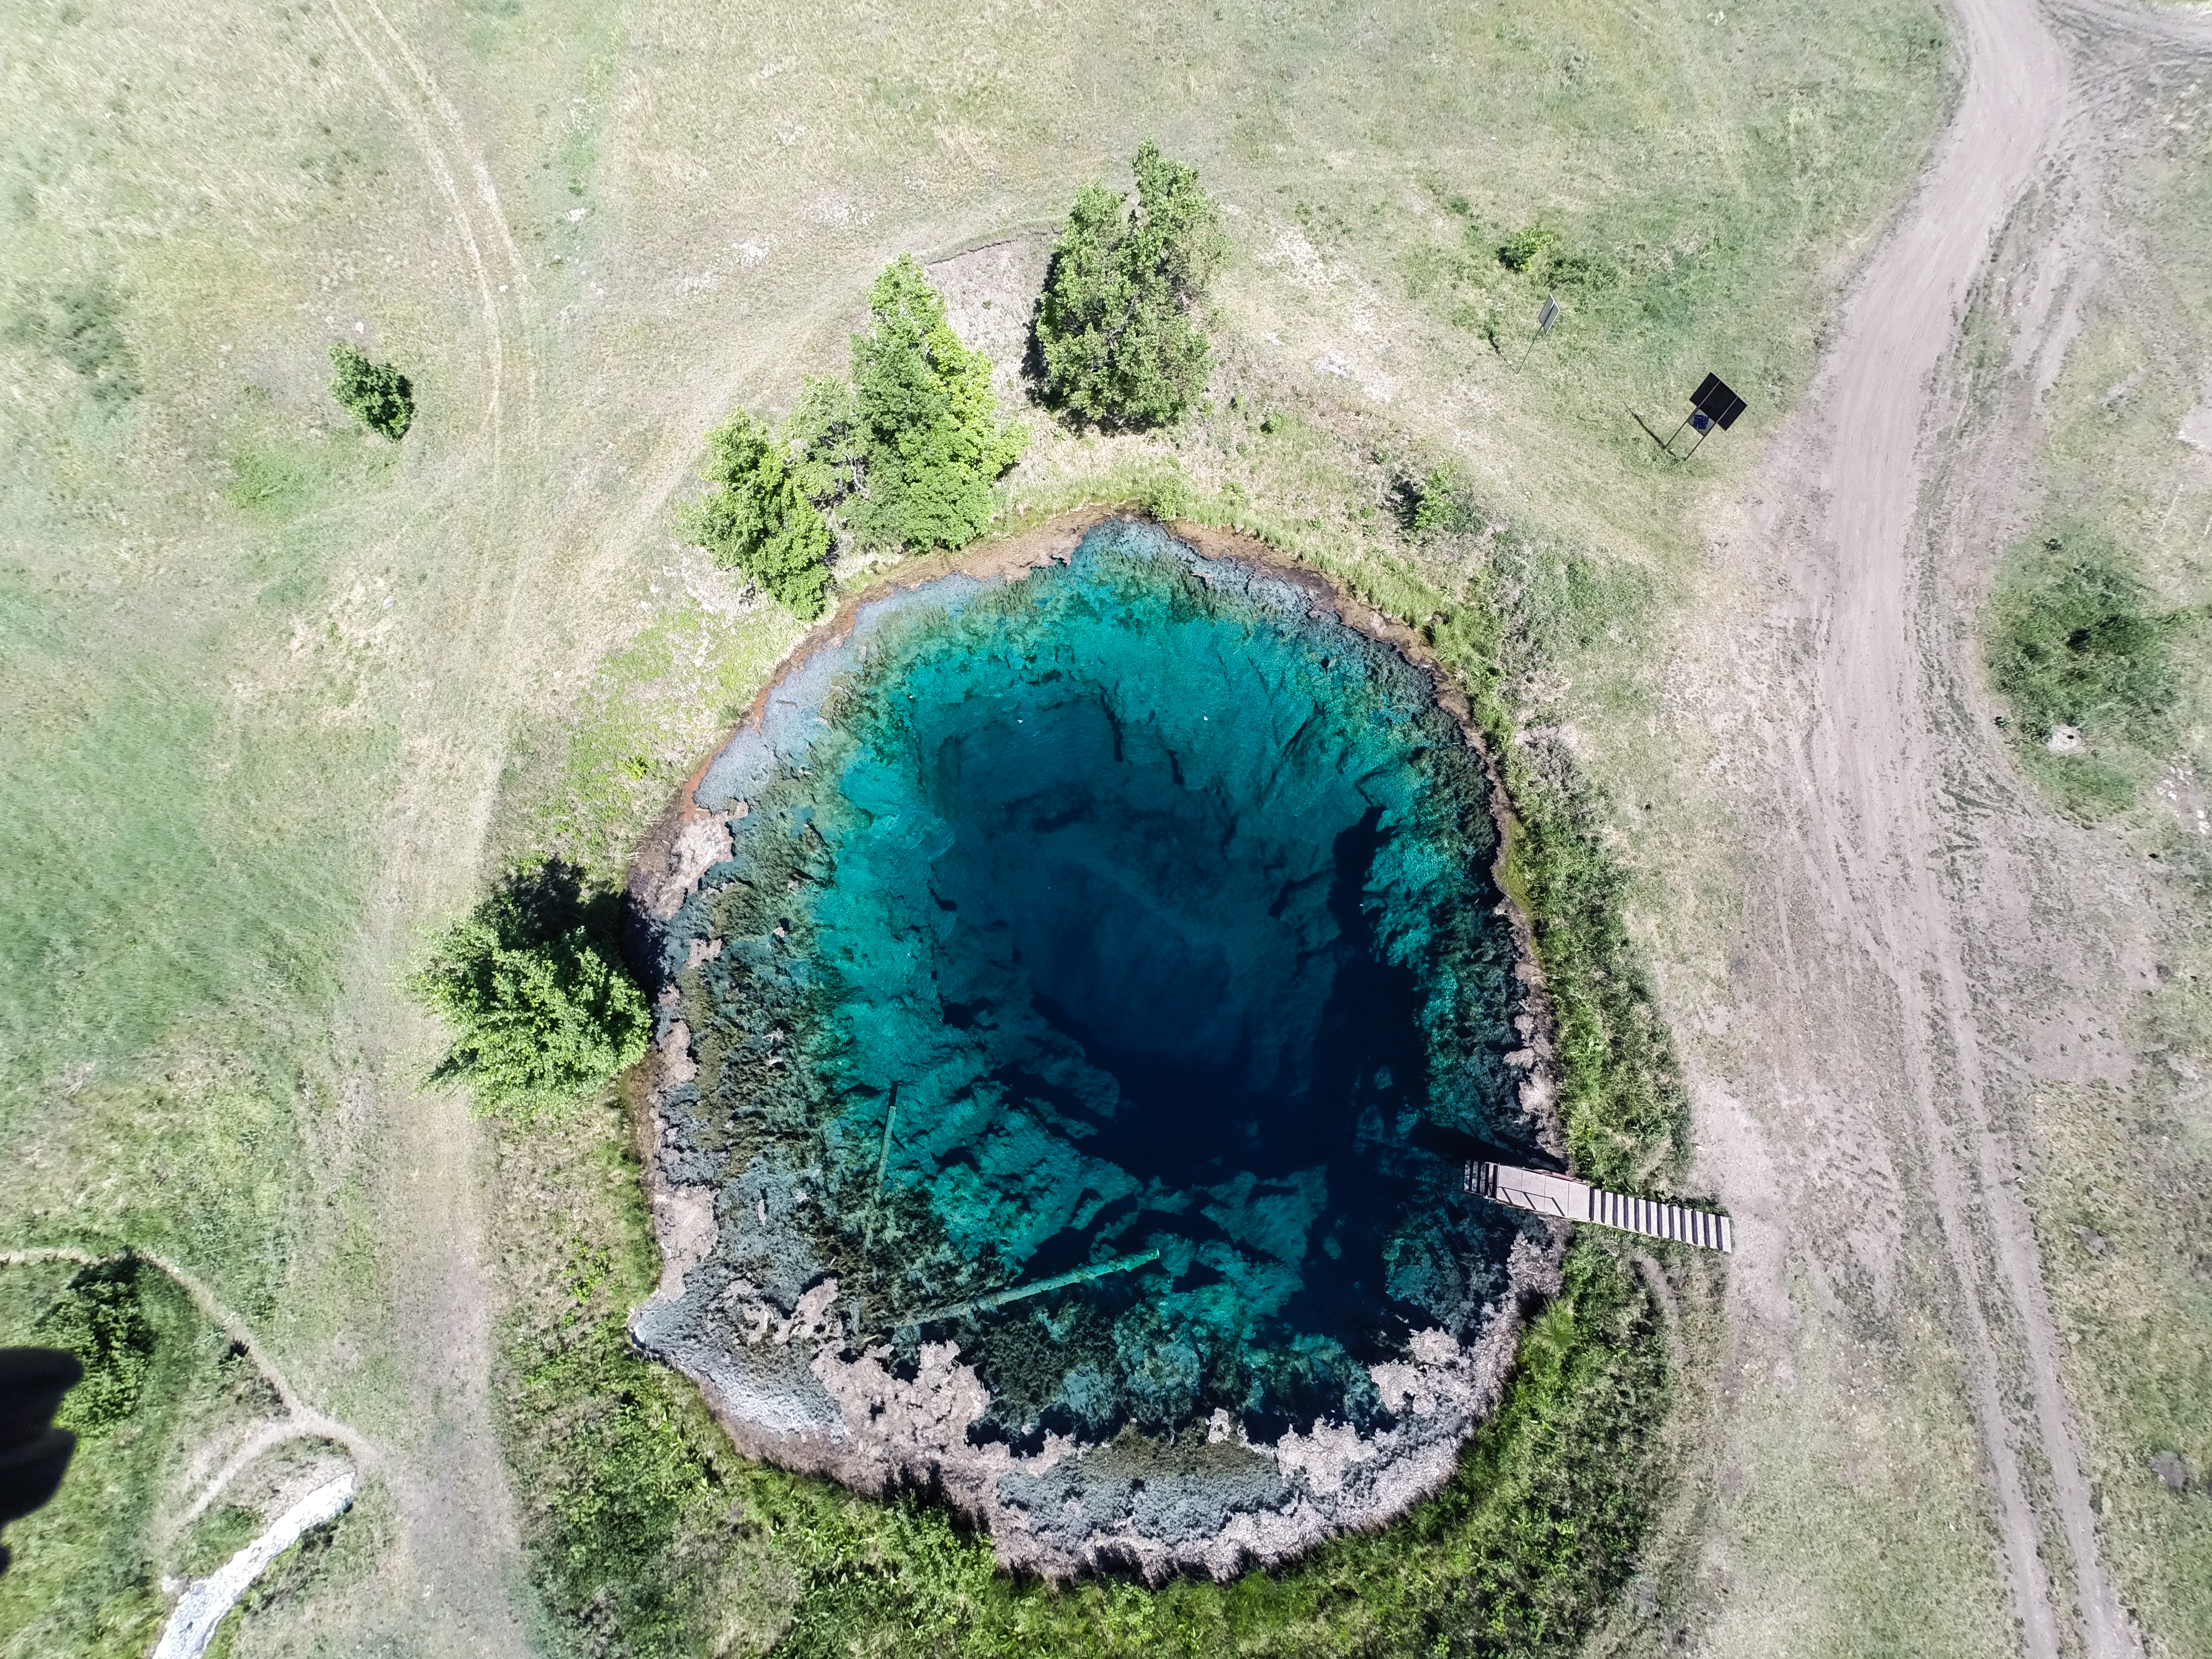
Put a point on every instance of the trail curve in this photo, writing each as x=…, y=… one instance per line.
x=1868, y=781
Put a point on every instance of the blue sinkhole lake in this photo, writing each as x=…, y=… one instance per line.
x=1137, y=905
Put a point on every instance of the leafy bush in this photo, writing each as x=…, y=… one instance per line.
x=2074, y=643
x=534, y=983
x=79, y=324
x=101, y=1319
x=758, y=519
x=377, y=395
x=1524, y=249
x=1439, y=502
x=927, y=417
x=1113, y=330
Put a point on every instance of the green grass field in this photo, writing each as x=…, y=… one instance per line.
x=282, y=695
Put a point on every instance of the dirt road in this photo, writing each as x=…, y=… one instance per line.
x=1882, y=1039
x=1870, y=775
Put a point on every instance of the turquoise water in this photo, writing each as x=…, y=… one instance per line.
x=1135, y=906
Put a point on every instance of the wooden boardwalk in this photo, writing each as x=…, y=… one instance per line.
x=1577, y=1200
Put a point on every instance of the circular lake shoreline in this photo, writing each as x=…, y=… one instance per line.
x=1107, y=917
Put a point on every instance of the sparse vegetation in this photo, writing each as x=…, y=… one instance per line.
x=2084, y=663
x=2077, y=643
x=1626, y=1110
x=1115, y=328
x=80, y=325
x=534, y=984
x=376, y=394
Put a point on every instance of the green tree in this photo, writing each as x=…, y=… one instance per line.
x=533, y=982
x=759, y=518
x=1114, y=326
x=926, y=419
x=824, y=431
x=378, y=395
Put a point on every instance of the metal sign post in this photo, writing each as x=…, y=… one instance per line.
x=1545, y=318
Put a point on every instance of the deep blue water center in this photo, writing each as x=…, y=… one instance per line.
x=1136, y=905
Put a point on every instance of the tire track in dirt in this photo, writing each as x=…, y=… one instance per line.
x=1868, y=783
x=487, y=196
x=440, y=174
x=460, y=1538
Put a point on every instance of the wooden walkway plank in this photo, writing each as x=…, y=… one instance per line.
x=1543, y=1194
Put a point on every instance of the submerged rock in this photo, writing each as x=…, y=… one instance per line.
x=1122, y=926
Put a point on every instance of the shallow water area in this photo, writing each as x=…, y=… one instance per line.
x=1079, y=1038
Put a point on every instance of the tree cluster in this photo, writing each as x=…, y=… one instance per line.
x=902, y=455
x=376, y=394
x=1116, y=335
x=532, y=981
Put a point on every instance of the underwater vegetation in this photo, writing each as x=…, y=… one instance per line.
x=1129, y=923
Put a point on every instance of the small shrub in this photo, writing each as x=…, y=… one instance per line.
x=1166, y=493
x=534, y=982
x=2075, y=643
x=757, y=517
x=376, y=394
x=1440, y=502
x=1587, y=272
x=1524, y=249
x=101, y=1319
x=1113, y=330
